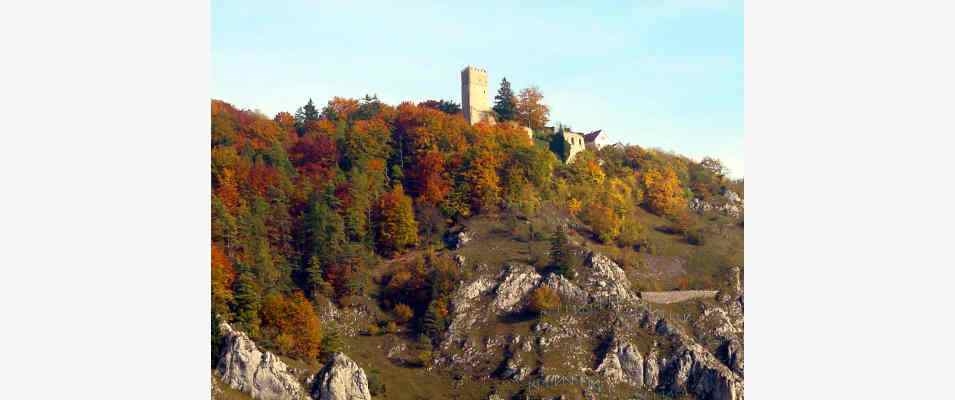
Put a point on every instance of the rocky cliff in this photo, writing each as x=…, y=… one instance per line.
x=259, y=373
x=262, y=375
x=341, y=379
x=603, y=336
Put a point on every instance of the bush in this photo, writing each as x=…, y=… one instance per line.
x=373, y=329
x=647, y=246
x=403, y=313
x=696, y=237
x=424, y=358
x=375, y=386
x=682, y=223
x=392, y=327
x=632, y=233
x=544, y=299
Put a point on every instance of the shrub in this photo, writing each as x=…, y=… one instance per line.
x=696, y=237
x=632, y=233
x=424, y=358
x=682, y=223
x=647, y=246
x=375, y=386
x=373, y=329
x=392, y=327
x=403, y=313
x=543, y=299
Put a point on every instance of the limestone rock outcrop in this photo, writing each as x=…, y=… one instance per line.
x=623, y=363
x=518, y=281
x=247, y=369
x=341, y=379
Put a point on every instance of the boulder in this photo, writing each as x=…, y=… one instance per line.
x=245, y=368
x=341, y=379
x=462, y=238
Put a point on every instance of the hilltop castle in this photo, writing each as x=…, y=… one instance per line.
x=477, y=108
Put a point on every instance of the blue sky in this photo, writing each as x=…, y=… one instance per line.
x=665, y=74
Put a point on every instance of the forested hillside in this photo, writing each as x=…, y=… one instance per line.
x=355, y=202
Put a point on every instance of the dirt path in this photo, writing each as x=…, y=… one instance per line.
x=676, y=296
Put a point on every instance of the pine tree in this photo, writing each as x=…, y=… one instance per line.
x=505, y=104
x=304, y=115
x=216, y=340
x=331, y=341
x=317, y=285
x=560, y=252
x=432, y=323
x=325, y=228
x=248, y=301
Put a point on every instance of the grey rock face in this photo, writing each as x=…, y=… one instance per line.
x=651, y=371
x=623, y=363
x=733, y=355
x=514, y=369
x=566, y=289
x=518, y=281
x=341, y=379
x=696, y=371
x=729, y=204
x=608, y=282
x=261, y=374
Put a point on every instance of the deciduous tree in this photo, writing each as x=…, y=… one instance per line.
x=531, y=109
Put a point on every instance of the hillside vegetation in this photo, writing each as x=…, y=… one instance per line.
x=338, y=229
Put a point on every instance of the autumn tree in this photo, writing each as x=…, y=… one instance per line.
x=505, y=103
x=294, y=324
x=543, y=299
x=664, y=195
x=603, y=220
x=223, y=276
x=396, y=225
x=530, y=108
x=445, y=106
x=403, y=313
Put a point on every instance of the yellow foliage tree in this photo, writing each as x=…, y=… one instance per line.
x=664, y=195
x=397, y=228
x=544, y=299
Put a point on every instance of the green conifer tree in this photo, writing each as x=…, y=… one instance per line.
x=331, y=341
x=505, y=104
x=561, y=258
x=247, y=301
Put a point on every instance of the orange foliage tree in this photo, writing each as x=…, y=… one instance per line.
x=292, y=320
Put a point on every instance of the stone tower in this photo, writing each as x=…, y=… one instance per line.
x=474, y=100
